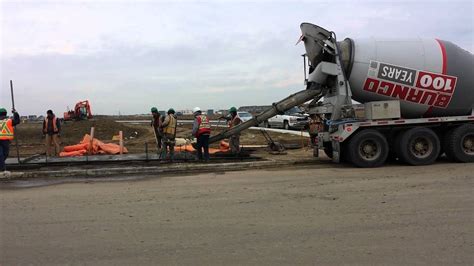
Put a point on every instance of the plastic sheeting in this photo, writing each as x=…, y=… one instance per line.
x=95, y=146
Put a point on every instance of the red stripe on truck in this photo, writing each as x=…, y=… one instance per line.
x=443, y=54
x=443, y=70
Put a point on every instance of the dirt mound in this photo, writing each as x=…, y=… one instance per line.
x=104, y=129
x=31, y=141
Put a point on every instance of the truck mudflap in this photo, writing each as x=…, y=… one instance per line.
x=336, y=152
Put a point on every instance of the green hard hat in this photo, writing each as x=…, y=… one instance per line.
x=171, y=111
x=232, y=110
x=3, y=110
x=154, y=110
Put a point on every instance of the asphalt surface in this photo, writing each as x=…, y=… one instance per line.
x=395, y=215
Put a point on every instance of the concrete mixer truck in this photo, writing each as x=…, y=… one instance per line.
x=415, y=98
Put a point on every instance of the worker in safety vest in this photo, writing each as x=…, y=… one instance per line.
x=52, y=130
x=6, y=135
x=314, y=127
x=169, y=134
x=234, y=140
x=202, y=131
x=156, y=122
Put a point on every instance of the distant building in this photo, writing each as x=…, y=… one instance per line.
x=186, y=112
x=254, y=109
x=223, y=112
x=210, y=111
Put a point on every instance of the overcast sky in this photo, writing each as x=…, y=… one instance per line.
x=128, y=56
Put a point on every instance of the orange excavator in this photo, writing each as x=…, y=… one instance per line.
x=81, y=111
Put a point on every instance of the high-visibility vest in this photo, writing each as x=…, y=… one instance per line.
x=6, y=129
x=204, y=125
x=233, y=121
x=171, y=127
x=55, y=126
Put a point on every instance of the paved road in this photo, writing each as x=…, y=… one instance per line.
x=392, y=215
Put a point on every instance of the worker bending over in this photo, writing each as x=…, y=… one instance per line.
x=51, y=129
x=6, y=135
x=234, y=140
x=201, y=130
x=169, y=135
x=156, y=122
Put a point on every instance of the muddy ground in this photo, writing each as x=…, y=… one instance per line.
x=315, y=215
x=31, y=140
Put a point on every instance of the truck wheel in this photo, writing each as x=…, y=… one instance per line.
x=459, y=144
x=286, y=125
x=328, y=149
x=418, y=146
x=368, y=148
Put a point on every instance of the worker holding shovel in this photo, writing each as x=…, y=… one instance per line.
x=169, y=134
x=234, y=140
x=156, y=124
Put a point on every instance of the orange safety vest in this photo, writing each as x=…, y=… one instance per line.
x=6, y=129
x=171, y=127
x=45, y=126
x=204, y=125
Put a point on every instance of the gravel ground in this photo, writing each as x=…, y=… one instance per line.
x=395, y=215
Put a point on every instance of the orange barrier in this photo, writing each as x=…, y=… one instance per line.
x=98, y=147
x=110, y=148
x=223, y=147
x=75, y=147
x=72, y=153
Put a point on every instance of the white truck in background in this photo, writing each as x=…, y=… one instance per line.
x=290, y=119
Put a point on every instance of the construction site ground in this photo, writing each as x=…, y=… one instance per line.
x=275, y=210
x=312, y=214
x=31, y=141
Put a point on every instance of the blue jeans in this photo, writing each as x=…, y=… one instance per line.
x=4, y=150
x=203, y=144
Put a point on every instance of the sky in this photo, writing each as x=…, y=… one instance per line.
x=127, y=56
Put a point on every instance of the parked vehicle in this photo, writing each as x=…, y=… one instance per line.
x=245, y=116
x=291, y=119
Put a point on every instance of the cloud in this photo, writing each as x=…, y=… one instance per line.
x=128, y=56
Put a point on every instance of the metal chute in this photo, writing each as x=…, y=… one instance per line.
x=277, y=108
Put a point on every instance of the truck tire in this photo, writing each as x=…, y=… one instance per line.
x=328, y=149
x=368, y=148
x=459, y=144
x=286, y=125
x=418, y=146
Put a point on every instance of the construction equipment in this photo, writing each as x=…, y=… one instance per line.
x=81, y=111
x=275, y=147
x=417, y=97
